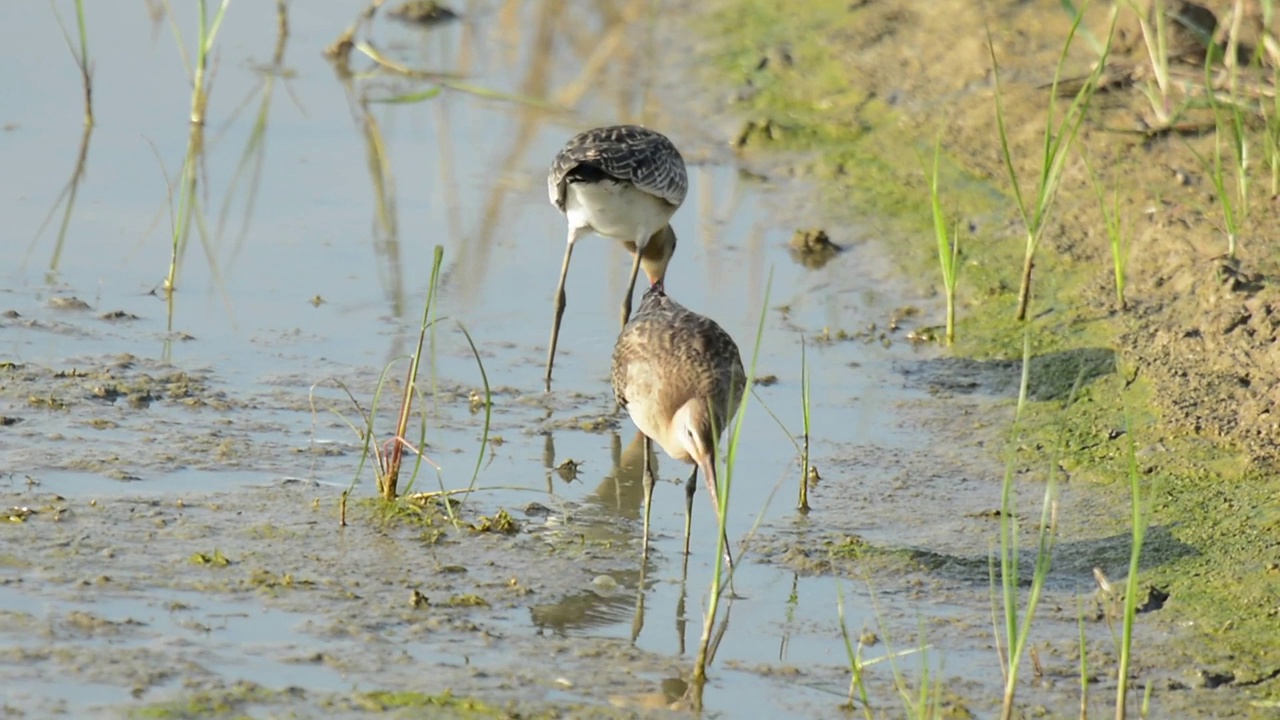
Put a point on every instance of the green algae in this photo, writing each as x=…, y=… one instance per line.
x=231, y=701
x=213, y=559
x=385, y=701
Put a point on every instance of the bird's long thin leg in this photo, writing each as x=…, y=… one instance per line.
x=690, y=487
x=615, y=452
x=637, y=619
x=682, y=619
x=560, y=303
x=631, y=284
x=649, y=482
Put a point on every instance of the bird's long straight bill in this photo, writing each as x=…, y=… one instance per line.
x=707, y=466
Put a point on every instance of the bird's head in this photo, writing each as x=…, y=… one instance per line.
x=696, y=435
x=656, y=255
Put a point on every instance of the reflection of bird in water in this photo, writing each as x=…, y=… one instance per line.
x=618, y=494
x=620, y=491
x=680, y=377
x=622, y=182
x=607, y=605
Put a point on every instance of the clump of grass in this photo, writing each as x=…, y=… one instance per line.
x=66, y=201
x=388, y=458
x=1059, y=135
x=725, y=485
x=948, y=244
x=1238, y=136
x=926, y=703
x=389, y=470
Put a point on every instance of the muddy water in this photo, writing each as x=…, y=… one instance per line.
x=184, y=468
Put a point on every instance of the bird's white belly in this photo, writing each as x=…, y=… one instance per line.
x=616, y=210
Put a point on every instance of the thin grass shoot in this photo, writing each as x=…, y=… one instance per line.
x=1084, y=661
x=1059, y=136
x=1217, y=175
x=948, y=244
x=1115, y=236
x=857, y=686
x=805, y=468
x=725, y=485
x=1017, y=618
x=1140, y=509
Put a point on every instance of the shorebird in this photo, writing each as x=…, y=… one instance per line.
x=622, y=182
x=680, y=377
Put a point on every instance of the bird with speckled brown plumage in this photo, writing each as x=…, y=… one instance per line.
x=679, y=375
x=622, y=182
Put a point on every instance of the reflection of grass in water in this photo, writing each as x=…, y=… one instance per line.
x=187, y=209
x=67, y=198
x=252, y=157
x=67, y=201
x=83, y=61
x=81, y=56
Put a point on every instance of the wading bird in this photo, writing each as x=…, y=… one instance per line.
x=622, y=182
x=680, y=377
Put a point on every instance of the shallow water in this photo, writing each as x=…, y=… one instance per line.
x=303, y=223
